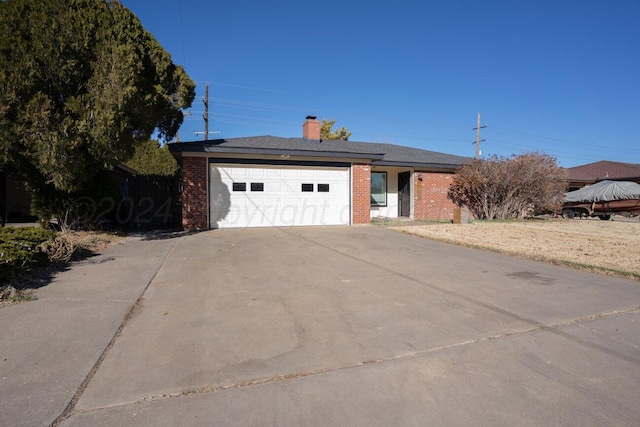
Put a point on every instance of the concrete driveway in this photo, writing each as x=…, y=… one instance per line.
x=364, y=326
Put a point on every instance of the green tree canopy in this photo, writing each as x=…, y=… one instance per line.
x=327, y=132
x=150, y=158
x=81, y=81
x=509, y=187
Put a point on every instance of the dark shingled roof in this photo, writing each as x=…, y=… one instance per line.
x=598, y=171
x=379, y=154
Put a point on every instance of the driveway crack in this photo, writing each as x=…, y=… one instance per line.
x=69, y=410
x=554, y=328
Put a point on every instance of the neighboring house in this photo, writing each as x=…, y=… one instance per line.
x=580, y=176
x=271, y=181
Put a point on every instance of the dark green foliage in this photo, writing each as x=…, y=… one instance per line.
x=150, y=158
x=81, y=208
x=20, y=249
x=81, y=82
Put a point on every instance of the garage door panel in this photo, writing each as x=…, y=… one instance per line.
x=282, y=201
x=291, y=187
x=256, y=173
x=274, y=187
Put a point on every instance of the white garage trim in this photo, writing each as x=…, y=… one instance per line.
x=267, y=195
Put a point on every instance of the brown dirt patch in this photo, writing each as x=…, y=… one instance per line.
x=611, y=247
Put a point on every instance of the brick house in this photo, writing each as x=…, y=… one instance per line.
x=271, y=181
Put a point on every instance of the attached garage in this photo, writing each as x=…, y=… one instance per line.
x=267, y=181
x=285, y=194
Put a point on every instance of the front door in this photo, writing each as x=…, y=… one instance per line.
x=404, y=194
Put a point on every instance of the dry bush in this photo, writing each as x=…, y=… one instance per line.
x=61, y=249
x=509, y=187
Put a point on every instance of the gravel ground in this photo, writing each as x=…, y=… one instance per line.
x=611, y=247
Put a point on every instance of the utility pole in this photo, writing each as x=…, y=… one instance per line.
x=205, y=115
x=478, y=140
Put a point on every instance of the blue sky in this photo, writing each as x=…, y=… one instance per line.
x=561, y=76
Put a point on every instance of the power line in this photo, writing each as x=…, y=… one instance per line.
x=250, y=104
x=184, y=114
x=272, y=90
x=555, y=153
x=228, y=116
x=184, y=55
x=533, y=142
x=561, y=142
x=442, y=122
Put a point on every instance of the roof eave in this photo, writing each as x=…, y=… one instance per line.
x=440, y=167
x=598, y=179
x=203, y=148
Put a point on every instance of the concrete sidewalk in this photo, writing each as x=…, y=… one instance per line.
x=49, y=347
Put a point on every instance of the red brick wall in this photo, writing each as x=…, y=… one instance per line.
x=194, y=193
x=430, y=196
x=361, y=195
x=311, y=129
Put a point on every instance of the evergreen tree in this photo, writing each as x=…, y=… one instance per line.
x=326, y=131
x=81, y=82
x=150, y=158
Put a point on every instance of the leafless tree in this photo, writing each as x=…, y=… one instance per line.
x=509, y=187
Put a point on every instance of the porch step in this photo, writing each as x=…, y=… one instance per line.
x=389, y=219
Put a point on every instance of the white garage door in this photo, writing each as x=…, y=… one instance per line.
x=266, y=196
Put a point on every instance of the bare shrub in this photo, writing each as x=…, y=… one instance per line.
x=61, y=249
x=509, y=187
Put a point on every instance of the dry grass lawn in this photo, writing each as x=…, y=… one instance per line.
x=610, y=247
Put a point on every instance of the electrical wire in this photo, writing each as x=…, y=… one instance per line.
x=524, y=141
x=184, y=54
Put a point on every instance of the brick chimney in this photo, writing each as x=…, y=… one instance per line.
x=311, y=129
